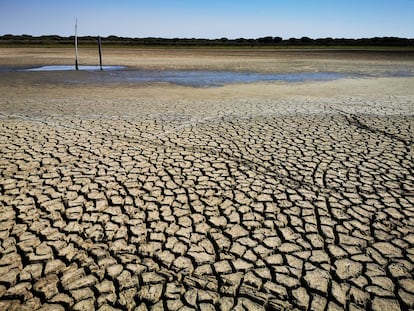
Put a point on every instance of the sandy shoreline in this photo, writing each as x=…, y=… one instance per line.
x=262, y=196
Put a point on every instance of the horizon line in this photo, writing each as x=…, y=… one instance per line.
x=204, y=38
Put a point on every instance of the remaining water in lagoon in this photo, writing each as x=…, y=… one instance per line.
x=195, y=78
x=219, y=78
x=72, y=67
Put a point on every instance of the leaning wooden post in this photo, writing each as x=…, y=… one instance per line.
x=76, y=45
x=100, y=52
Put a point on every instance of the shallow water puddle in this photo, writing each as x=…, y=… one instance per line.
x=219, y=78
x=72, y=67
x=196, y=78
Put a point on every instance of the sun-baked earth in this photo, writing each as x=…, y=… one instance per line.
x=262, y=196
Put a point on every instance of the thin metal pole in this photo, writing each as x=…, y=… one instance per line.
x=76, y=45
x=100, y=51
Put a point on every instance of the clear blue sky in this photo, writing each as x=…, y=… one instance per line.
x=210, y=18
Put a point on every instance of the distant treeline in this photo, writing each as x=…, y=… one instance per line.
x=258, y=42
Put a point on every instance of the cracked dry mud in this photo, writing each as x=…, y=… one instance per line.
x=244, y=205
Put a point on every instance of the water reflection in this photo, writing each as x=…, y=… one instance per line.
x=72, y=67
x=195, y=78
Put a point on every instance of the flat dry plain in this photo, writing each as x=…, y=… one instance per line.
x=261, y=196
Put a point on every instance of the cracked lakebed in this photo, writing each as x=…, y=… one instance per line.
x=261, y=196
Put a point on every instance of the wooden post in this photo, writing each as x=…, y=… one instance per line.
x=100, y=52
x=76, y=45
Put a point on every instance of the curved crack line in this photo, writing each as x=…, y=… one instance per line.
x=353, y=120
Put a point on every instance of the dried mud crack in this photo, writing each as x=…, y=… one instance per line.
x=255, y=206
